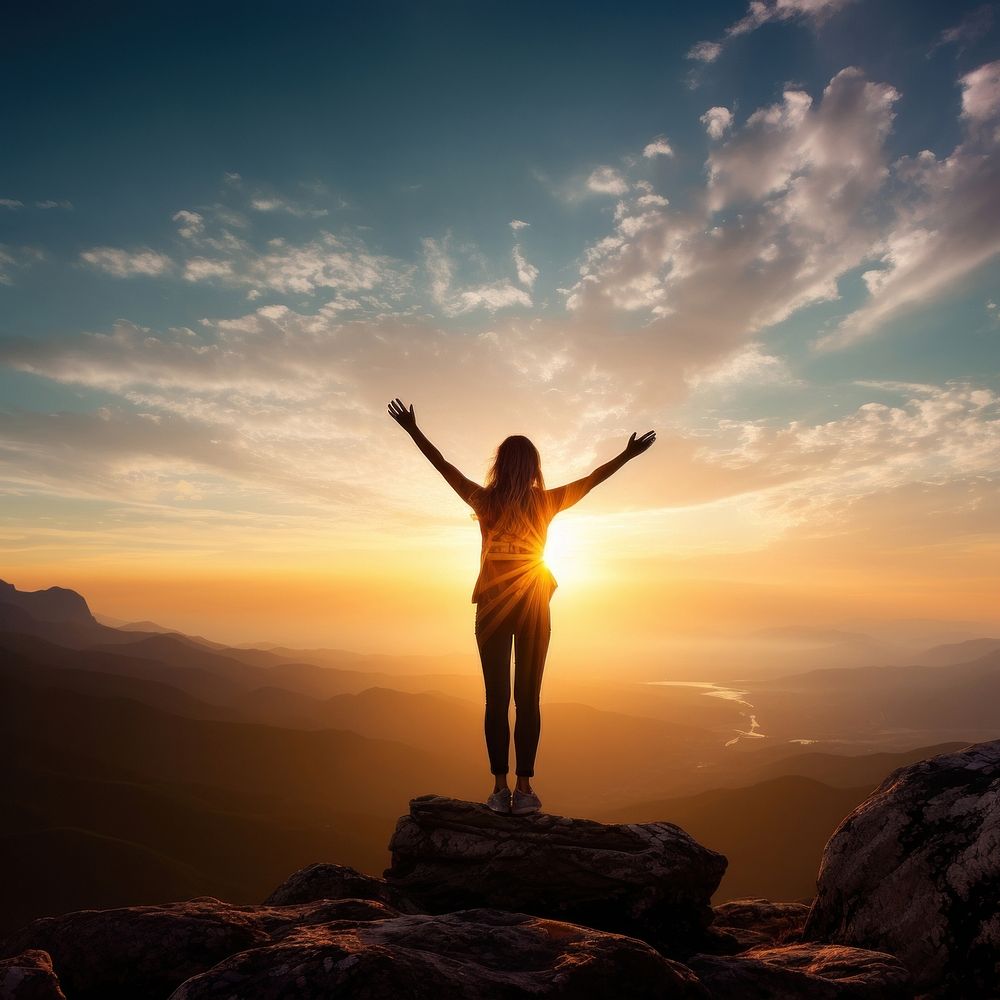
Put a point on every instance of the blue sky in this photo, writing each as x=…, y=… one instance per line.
x=228, y=232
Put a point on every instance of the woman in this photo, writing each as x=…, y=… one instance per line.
x=513, y=590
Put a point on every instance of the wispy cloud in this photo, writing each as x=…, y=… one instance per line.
x=127, y=263
x=974, y=25
x=526, y=273
x=944, y=225
x=13, y=259
x=761, y=12
x=454, y=301
x=273, y=203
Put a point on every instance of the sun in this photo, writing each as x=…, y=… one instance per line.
x=566, y=550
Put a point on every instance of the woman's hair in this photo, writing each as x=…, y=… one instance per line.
x=514, y=487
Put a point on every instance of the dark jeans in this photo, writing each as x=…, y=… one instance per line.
x=531, y=644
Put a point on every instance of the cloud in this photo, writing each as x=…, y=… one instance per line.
x=16, y=258
x=127, y=263
x=338, y=263
x=747, y=367
x=981, y=93
x=48, y=204
x=274, y=203
x=933, y=455
x=717, y=121
x=973, y=26
x=761, y=12
x=490, y=296
x=12, y=204
x=788, y=208
x=517, y=224
x=526, y=273
x=658, y=147
x=705, y=52
x=192, y=224
x=944, y=211
x=606, y=180
x=202, y=269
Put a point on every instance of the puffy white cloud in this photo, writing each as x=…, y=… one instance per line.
x=190, y=224
x=517, y=224
x=658, y=147
x=607, y=180
x=12, y=204
x=981, y=92
x=202, y=269
x=787, y=211
x=717, y=121
x=127, y=263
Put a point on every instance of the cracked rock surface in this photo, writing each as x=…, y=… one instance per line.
x=479, y=954
x=647, y=880
x=915, y=871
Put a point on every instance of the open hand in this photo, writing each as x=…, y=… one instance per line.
x=638, y=446
x=406, y=418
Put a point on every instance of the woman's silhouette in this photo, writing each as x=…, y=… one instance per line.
x=512, y=592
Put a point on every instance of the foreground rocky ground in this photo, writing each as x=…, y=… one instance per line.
x=477, y=905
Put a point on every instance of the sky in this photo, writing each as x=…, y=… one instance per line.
x=230, y=233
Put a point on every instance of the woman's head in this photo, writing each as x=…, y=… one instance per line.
x=515, y=469
x=516, y=465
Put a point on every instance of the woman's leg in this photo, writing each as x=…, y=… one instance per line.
x=494, y=652
x=531, y=645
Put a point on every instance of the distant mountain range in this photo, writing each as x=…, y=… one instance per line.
x=143, y=764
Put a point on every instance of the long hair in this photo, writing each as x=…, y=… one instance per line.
x=514, y=488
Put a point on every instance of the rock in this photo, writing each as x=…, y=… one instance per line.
x=147, y=951
x=756, y=922
x=478, y=954
x=803, y=972
x=647, y=880
x=330, y=881
x=915, y=871
x=29, y=976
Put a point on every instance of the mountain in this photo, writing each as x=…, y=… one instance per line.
x=958, y=652
x=57, y=604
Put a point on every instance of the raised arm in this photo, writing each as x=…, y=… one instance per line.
x=407, y=419
x=565, y=496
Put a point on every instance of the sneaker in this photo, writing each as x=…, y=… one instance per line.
x=523, y=803
x=499, y=802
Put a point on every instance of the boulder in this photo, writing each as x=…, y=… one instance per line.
x=757, y=922
x=915, y=871
x=147, y=951
x=646, y=880
x=29, y=976
x=478, y=954
x=330, y=881
x=803, y=972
